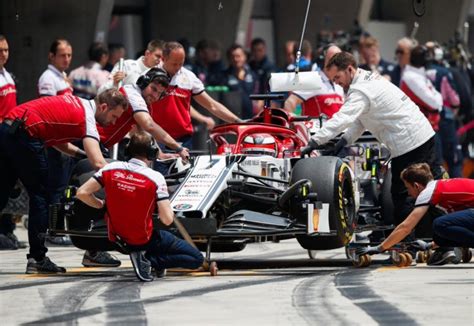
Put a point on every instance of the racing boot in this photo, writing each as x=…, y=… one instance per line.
x=44, y=266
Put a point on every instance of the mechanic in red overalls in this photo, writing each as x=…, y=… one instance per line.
x=148, y=89
x=325, y=101
x=455, y=229
x=51, y=121
x=133, y=191
x=173, y=111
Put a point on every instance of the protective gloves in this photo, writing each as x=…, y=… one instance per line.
x=370, y=250
x=306, y=150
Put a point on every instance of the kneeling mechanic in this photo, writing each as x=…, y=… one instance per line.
x=133, y=191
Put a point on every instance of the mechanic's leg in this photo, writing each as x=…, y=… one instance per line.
x=455, y=229
x=59, y=173
x=174, y=252
x=30, y=158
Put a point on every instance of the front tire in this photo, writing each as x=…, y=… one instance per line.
x=332, y=181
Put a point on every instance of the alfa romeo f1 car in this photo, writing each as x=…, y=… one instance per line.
x=253, y=186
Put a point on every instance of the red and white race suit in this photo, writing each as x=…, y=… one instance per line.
x=420, y=90
x=7, y=93
x=451, y=194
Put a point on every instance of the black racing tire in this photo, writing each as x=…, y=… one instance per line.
x=332, y=181
x=84, y=214
x=386, y=199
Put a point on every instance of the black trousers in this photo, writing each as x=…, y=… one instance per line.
x=426, y=153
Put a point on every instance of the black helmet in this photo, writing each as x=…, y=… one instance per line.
x=154, y=74
x=419, y=56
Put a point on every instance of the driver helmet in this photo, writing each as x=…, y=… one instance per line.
x=259, y=144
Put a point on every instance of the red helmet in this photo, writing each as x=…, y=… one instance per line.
x=260, y=144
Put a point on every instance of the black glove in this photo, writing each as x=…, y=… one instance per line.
x=339, y=146
x=306, y=150
x=369, y=250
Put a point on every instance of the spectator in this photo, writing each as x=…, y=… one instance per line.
x=116, y=52
x=327, y=100
x=240, y=78
x=370, y=52
x=289, y=54
x=208, y=66
x=87, y=79
x=404, y=47
x=305, y=59
x=443, y=81
x=260, y=64
x=418, y=87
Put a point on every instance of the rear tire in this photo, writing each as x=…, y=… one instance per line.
x=332, y=181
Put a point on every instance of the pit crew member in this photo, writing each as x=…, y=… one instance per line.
x=375, y=104
x=25, y=132
x=147, y=89
x=327, y=100
x=133, y=191
x=173, y=111
x=455, y=229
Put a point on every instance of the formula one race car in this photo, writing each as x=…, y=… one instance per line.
x=253, y=186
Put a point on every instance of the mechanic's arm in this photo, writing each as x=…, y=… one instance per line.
x=146, y=122
x=85, y=193
x=404, y=229
x=354, y=132
x=292, y=102
x=71, y=150
x=356, y=104
x=208, y=121
x=93, y=152
x=165, y=212
x=216, y=108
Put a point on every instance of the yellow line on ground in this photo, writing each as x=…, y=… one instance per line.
x=388, y=268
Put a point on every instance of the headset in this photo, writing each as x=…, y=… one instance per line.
x=420, y=56
x=154, y=74
x=150, y=150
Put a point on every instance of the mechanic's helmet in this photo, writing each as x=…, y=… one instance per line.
x=154, y=75
x=259, y=144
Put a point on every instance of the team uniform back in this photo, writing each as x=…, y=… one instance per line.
x=57, y=119
x=132, y=190
x=451, y=194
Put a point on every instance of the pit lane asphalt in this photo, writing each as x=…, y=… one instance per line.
x=266, y=284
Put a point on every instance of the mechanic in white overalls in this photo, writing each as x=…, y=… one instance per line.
x=375, y=104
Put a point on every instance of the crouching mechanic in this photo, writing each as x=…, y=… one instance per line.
x=133, y=191
x=455, y=229
x=25, y=133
